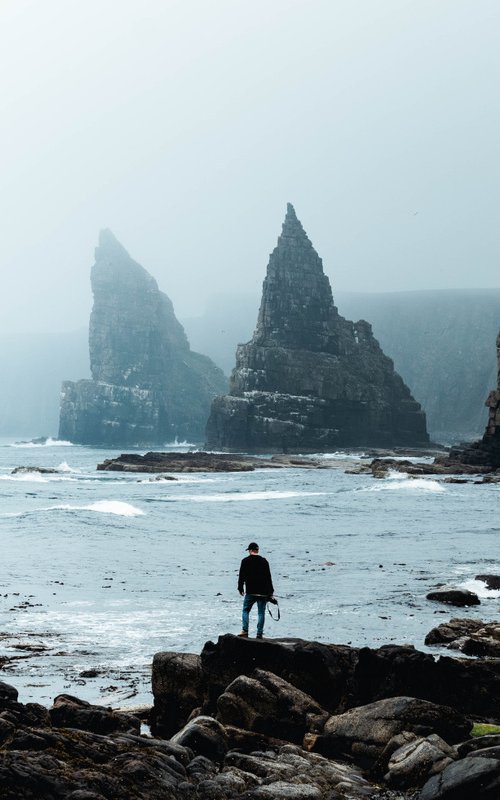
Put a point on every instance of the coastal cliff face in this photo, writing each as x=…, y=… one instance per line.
x=486, y=451
x=147, y=386
x=310, y=379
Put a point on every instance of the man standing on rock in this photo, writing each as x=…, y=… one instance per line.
x=255, y=576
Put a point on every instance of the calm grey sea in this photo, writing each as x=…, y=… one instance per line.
x=102, y=570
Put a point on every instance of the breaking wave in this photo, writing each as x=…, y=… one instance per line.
x=480, y=588
x=103, y=507
x=407, y=485
x=49, y=442
x=228, y=497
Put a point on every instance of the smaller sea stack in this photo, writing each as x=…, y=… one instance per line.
x=486, y=451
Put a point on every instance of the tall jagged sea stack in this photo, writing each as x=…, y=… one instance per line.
x=310, y=380
x=148, y=386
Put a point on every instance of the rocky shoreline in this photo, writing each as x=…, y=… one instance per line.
x=201, y=461
x=277, y=719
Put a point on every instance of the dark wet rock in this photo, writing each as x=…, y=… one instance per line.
x=483, y=454
x=177, y=689
x=294, y=774
x=454, y=597
x=467, y=779
x=205, y=736
x=337, y=677
x=364, y=732
x=41, y=470
x=180, y=462
x=199, y=461
x=267, y=704
x=70, y=712
x=147, y=385
x=491, y=581
x=317, y=669
x=416, y=761
x=310, y=380
x=471, y=636
x=478, y=743
x=7, y=693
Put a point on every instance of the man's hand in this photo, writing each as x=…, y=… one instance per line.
x=241, y=594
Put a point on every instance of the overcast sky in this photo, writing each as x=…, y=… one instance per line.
x=187, y=126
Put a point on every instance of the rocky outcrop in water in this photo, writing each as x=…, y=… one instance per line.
x=147, y=386
x=310, y=379
x=485, y=453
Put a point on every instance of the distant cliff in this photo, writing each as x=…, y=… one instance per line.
x=147, y=386
x=309, y=379
x=484, y=453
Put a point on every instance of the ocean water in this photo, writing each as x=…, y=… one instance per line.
x=101, y=570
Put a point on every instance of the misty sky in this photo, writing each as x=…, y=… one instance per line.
x=186, y=126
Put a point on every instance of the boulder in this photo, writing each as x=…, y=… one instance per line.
x=205, y=736
x=177, y=690
x=337, y=677
x=467, y=779
x=71, y=712
x=362, y=733
x=416, y=761
x=471, y=636
x=454, y=597
x=491, y=581
x=478, y=743
x=290, y=773
x=310, y=380
x=267, y=704
x=8, y=694
x=320, y=670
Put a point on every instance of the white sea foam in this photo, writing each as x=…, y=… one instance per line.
x=65, y=467
x=229, y=497
x=407, y=485
x=36, y=477
x=102, y=506
x=25, y=477
x=480, y=588
x=47, y=443
x=162, y=479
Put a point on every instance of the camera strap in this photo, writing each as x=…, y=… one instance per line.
x=277, y=609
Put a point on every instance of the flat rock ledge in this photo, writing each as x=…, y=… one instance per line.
x=267, y=720
x=380, y=467
x=200, y=461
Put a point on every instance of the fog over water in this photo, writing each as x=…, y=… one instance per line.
x=185, y=127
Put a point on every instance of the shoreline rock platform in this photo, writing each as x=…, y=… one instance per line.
x=202, y=461
x=272, y=719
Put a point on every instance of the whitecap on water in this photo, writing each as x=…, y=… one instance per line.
x=228, y=497
x=47, y=443
x=65, y=467
x=23, y=477
x=480, y=588
x=411, y=485
x=102, y=506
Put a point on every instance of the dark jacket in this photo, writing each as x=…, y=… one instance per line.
x=255, y=575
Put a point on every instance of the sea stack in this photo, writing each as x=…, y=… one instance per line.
x=310, y=380
x=485, y=452
x=147, y=386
